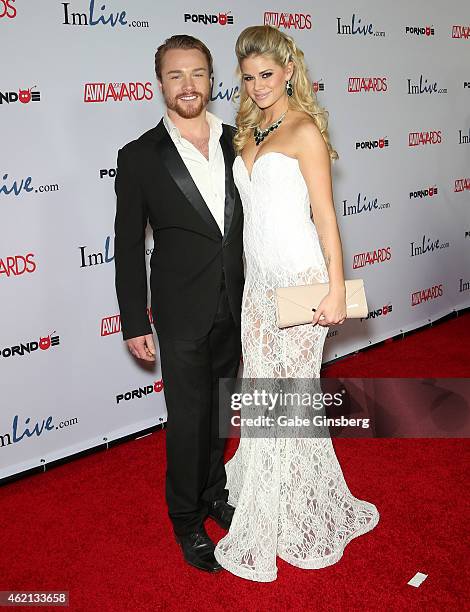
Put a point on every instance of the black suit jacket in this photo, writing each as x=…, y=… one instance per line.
x=190, y=254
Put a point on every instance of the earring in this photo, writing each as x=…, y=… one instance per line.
x=289, y=88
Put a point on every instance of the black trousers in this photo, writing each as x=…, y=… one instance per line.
x=195, y=453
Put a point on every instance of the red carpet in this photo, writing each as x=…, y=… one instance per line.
x=97, y=526
x=439, y=351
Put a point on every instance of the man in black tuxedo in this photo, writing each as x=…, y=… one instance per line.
x=178, y=176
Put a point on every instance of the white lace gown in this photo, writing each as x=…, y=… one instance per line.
x=290, y=495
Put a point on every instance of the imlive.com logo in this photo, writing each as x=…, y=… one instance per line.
x=356, y=27
x=93, y=16
x=221, y=92
x=19, y=432
x=15, y=187
x=363, y=204
x=427, y=245
x=422, y=86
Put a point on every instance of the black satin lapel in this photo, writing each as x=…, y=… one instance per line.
x=229, y=184
x=182, y=177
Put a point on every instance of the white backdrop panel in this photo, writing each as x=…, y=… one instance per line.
x=56, y=232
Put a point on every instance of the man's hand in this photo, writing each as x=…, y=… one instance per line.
x=142, y=347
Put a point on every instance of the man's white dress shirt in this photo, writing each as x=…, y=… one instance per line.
x=209, y=175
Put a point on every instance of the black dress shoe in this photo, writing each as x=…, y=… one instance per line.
x=222, y=513
x=198, y=550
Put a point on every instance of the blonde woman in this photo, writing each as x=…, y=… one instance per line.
x=290, y=495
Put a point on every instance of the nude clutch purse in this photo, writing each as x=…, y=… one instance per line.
x=294, y=305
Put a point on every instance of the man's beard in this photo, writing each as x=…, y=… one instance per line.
x=187, y=110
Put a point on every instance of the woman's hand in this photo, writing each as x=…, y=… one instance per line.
x=331, y=310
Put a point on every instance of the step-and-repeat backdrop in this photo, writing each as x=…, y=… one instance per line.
x=77, y=82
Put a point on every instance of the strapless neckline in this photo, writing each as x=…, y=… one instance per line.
x=258, y=159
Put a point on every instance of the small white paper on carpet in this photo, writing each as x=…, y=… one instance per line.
x=418, y=579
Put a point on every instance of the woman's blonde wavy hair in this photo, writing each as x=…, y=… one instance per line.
x=268, y=40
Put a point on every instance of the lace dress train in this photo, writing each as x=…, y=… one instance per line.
x=290, y=494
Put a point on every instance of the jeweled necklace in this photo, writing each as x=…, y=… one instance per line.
x=260, y=135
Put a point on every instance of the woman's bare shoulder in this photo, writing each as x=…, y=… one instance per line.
x=303, y=125
x=307, y=136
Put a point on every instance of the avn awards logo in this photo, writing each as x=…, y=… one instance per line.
x=356, y=27
x=25, y=348
x=416, y=139
x=101, y=16
x=17, y=186
x=461, y=31
x=378, y=312
x=363, y=205
x=421, y=86
x=461, y=185
x=366, y=84
x=424, y=295
x=7, y=9
x=369, y=258
x=208, y=19
x=117, y=92
x=427, y=245
x=16, y=265
x=370, y=145
x=288, y=21
x=420, y=30
x=157, y=387
x=24, y=96
x=112, y=325
x=428, y=192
